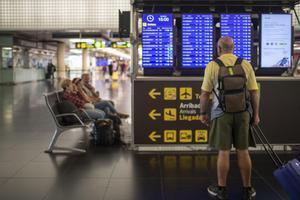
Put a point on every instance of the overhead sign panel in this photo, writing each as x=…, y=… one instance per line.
x=276, y=40
x=87, y=45
x=120, y=45
x=197, y=40
x=157, y=40
x=238, y=26
x=171, y=115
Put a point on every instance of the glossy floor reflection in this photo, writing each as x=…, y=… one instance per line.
x=104, y=173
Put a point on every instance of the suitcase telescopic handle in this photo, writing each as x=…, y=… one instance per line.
x=264, y=141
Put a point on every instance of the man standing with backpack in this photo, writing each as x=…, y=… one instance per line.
x=232, y=82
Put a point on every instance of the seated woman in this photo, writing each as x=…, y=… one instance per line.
x=89, y=94
x=73, y=95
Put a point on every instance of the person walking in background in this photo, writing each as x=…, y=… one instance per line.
x=115, y=66
x=115, y=73
x=230, y=115
x=50, y=71
x=110, y=68
x=123, y=68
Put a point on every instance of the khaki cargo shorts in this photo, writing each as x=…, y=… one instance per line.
x=231, y=129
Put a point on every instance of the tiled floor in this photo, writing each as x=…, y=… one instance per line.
x=104, y=173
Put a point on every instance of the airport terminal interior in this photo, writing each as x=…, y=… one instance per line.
x=146, y=59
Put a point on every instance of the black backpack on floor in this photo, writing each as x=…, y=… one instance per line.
x=104, y=134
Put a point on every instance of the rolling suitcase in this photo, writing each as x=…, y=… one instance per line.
x=287, y=174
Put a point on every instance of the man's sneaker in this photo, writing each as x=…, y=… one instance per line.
x=249, y=193
x=218, y=192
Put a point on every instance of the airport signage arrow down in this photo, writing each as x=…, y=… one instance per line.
x=153, y=93
x=153, y=114
x=153, y=136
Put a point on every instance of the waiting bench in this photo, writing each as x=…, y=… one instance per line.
x=52, y=100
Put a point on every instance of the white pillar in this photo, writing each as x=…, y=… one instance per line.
x=85, y=64
x=61, y=71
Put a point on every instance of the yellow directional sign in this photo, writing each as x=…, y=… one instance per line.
x=153, y=114
x=153, y=136
x=170, y=114
x=201, y=136
x=186, y=93
x=153, y=93
x=170, y=93
x=81, y=45
x=170, y=136
x=185, y=136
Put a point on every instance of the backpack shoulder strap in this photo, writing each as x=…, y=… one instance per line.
x=219, y=62
x=238, y=61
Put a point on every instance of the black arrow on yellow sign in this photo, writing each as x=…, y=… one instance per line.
x=153, y=136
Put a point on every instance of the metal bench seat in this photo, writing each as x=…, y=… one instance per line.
x=52, y=100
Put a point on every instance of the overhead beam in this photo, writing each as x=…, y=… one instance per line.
x=217, y=3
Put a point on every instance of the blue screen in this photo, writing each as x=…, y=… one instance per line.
x=238, y=26
x=197, y=40
x=157, y=41
x=101, y=62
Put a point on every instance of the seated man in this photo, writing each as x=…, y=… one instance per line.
x=99, y=103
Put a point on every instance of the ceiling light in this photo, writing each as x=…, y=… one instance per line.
x=90, y=41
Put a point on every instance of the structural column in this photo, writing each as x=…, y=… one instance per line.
x=61, y=69
x=85, y=64
x=134, y=63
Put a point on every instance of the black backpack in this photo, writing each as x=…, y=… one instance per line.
x=233, y=94
x=104, y=134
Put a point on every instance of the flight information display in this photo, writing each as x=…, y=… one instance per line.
x=238, y=26
x=157, y=40
x=276, y=40
x=197, y=40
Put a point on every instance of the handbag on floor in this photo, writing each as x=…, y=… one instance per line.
x=287, y=174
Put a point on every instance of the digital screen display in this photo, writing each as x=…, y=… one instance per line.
x=238, y=26
x=157, y=41
x=197, y=40
x=276, y=40
x=101, y=62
